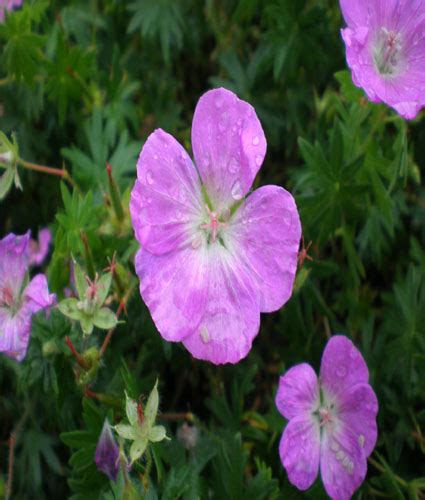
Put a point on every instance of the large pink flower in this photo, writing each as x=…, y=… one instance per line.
x=332, y=421
x=18, y=300
x=385, y=46
x=210, y=259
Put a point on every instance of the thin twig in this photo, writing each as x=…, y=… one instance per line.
x=60, y=172
x=12, y=443
x=173, y=417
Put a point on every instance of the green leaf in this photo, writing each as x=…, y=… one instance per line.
x=151, y=409
x=131, y=411
x=104, y=318
x=69, y=307
x=6, y=181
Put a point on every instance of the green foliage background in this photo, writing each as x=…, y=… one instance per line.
x=84, y=82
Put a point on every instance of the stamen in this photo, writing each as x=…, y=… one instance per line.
x=6, y=297
x=214, y=225
x=387, y=53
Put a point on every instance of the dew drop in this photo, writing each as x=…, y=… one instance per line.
x=256, y=141
x=239, y=122
x=258, y=160
x=233, y=166
x=236, y=191
x=155, y=157
x=149, y=177
x=341, y=371
x=218, y=101
x=204, y=334
x=361, y=440
x=340, y=455
x=334, y=446
x=149, y=200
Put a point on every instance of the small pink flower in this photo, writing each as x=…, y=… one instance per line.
x=8, y=5
x=211, y=260
x=19, y=302
x=332, y=421
x=39, y=249
x=385, y=49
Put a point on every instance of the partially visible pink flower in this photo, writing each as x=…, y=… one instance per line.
x=19, y=300
x=385, y=49
x=332, y=421
x=107, y=456
x=38, y=250
x=8, y=5
x=213, y=255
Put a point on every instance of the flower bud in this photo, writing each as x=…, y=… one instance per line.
x=107, y=456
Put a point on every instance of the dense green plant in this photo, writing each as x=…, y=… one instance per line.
x=83, y=83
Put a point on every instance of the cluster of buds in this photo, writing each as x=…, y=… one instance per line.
x=88, y=308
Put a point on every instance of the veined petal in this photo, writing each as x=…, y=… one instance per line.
x=343, y=463
x=266, y=232
x=342, y=366
x=356, y=12
x=13, y=261
x=231, y=318
x=357, y=411
x=166, y=201
x=175, y=289
x=127, y=431
x=15, y=333
x=298, y=391
x=299, y=451
x=228, y=145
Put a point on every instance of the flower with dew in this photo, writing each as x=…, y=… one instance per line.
x=40, y=248
x=213, y=256
x=8, y=5
x=332, y=420
x=385, y=49
x=19, y=300
x=107, y=455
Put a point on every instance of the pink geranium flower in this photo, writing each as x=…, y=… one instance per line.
x=332, y=421
x=385, y=46
x=8, y=5
x=39, y=249
x=210, y=259
x=19, y=300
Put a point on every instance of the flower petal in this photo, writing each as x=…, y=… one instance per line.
x=298, y=391
x=228, y=145
x=266, y=232
x=342, y=366
x=232, y=318
x=299, y=451
x=357, y=411
x=37, y=294
x=343, y=463
x=13, y=261
x=175, y=288
x=166, y=199
x=356, y=12
x=15, y=333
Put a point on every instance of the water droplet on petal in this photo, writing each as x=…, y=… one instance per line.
x=233, y=166
x=239, y=122
x=237, y=191
x=361, y=440
x=258, y=160
x=155, y=157
x=256, y=141
x=218, y=101
x=204, y=334
x=149, y=177
x=341, y=371
x=149, y=200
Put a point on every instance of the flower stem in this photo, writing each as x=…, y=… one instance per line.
x=172, y=417
x=60, y=172
x=80, y=360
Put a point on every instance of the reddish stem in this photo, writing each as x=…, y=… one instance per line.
x=80, y=360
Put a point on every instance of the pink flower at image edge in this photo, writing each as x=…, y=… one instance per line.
x=8, y=5
x=385, y=49
x=17, y=306
x=332, y=420
x=213, y=256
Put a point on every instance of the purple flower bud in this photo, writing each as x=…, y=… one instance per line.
x=107, y=456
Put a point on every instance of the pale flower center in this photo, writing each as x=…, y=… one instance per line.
x=387, y=52
x=7, y=298
x=214, y=225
